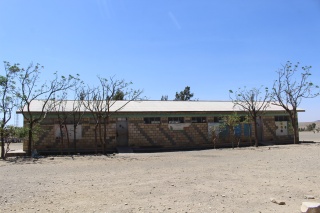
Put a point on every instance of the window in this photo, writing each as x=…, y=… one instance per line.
x=199, y=120
x=175, y=120
x=217, y=119
x=281, y=118
x=221, y=119
x=68, y=129
x=243, y=118
x=152, y=120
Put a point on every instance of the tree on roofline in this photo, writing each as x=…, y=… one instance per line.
x=293, y=85
x=164, y=98
x=119, y=95
x=184, y=95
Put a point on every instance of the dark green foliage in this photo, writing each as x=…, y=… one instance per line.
x=311, y=127
x=164, y=98
x=119, y=95
x=184, y=95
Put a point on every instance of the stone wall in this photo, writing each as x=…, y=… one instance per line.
x=46, y=140
x=143, y=135
x=269, y=132
x=160, y=135
x=269, y=129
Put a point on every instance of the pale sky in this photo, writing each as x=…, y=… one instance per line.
x=164, y=45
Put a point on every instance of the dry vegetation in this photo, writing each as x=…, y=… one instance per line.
x=304, y=125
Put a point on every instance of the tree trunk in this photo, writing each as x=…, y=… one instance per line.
x=96, y=137
x=75, y=124
x=75, y=138
x=295, y=128
x=231, y=135
x=256, y=132
x=100, y=132
x=2, y=144
x=61, y=138
x=295, y=136
x=250, y=133
x=106, y=125
x=104, y=135
x=3, y=124
x=30, y=139
x=68, y=139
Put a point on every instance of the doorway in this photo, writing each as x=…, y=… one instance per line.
x=122, y=132
x=259, y=128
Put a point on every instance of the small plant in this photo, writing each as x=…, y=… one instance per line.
x=232, y=122
x=311, y=127
x=214, y=135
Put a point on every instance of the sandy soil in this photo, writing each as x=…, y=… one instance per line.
x=309, y=136
x=221, y=180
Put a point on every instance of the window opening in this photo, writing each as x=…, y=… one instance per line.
x=152, y=120
x=175, y=120
x=199, y=120
x=281, y=118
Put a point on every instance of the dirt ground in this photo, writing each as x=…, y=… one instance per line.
x=309, y=136
x=238, y=180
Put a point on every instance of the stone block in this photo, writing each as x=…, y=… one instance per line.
x=310, y=207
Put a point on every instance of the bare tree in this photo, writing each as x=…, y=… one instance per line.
x=100, y=101
x=68, y=113
x=30, y=92
x=291, y=86
x=254, y=101
x=110, y=89
x=58, y=104
x=77, y=111
x=94, y=104
x=7, y=96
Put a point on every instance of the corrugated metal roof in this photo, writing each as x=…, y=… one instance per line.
x=163, y=106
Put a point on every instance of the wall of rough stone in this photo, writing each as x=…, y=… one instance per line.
x=269, y=132
x=141, y=135
x=47, y=142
